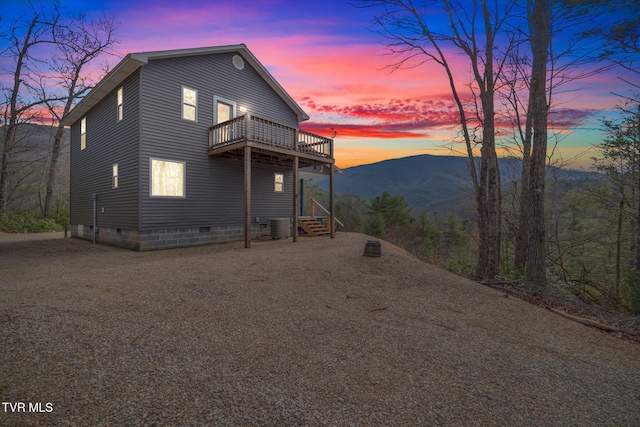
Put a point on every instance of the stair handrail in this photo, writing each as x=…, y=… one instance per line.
x=330, y=219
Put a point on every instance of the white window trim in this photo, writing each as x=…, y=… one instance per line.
x=216, y=99
x=183, y=103
x=120, y=104
x=184, y=178
x=115, y=175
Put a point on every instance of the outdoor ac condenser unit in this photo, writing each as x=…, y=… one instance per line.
x=280, y=227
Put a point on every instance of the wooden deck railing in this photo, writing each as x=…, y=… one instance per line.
x=253, y=128
x=271, y=133
x=228, y=132
x=316, y=144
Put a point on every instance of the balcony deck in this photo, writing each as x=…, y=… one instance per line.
x=270, y=142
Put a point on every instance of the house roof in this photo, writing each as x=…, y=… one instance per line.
x=133, y=61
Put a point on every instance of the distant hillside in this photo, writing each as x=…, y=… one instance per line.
x=33, y=141
x=29, y=158
x=432, y=183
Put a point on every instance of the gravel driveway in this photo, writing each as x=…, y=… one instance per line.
x=310, y=333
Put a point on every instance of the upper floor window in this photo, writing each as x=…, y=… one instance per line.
x=189, y=104
x=120, y=112
x=83, y=133
x=114, y=182
x=279, y=183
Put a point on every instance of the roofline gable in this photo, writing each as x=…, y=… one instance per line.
x=133, y=61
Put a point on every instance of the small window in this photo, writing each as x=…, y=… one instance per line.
x=189, y=104
x=167, y=178
x=115, y=176
x=83, y=133
x=279, y=183
x=120, y=113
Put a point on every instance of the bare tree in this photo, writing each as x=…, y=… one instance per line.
x=24, y=35
x=78, y=43
x=472, y=29
x=536, y=68
x=539, y=13
x=45, y=87
x=516, y=86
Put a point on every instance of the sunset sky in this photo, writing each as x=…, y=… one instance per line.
x=325, y=54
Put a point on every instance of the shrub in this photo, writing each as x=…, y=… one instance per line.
x=26, y=222
x=632, y=284
x=61, y=216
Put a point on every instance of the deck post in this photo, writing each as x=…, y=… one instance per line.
x=296, y=199
x=247, y=196
x=301, y=198
x=331, y=204
x=247, y=126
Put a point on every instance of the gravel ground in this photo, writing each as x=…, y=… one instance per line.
x=311, y=333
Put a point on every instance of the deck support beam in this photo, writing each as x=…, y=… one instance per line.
x=296, y=198
x=331, y=204
x=247, y=196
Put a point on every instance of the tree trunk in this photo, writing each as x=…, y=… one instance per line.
x=638, y=226
x=490, y=205
x=4, y=174
x=483, y=216
x=522, y=235
x=57, y=147
x=489, y=256
x=7, y=150
x=14, y=113
x=536, y=268
x=619, y=247
x=51, y=178
x=637, y=154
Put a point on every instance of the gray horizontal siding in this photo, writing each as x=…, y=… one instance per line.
x=215, y=197
x=108, y=142
x=214, y=186
x=265, y=202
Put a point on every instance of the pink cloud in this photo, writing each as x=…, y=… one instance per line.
x=427, y=112
x=567, y=118
x=379, y=131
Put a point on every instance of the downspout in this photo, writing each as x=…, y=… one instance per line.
x=301, y=187
x=95, y=215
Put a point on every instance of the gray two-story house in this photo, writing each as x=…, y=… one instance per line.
x=186, y=147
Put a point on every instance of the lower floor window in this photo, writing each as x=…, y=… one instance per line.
x=167, y=178
x=279, y=183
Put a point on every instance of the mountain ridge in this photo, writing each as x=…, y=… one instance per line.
x=427, y=182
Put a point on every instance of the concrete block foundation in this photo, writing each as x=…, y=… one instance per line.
x=149, y=240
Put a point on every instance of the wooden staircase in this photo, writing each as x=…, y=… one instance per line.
x=313, y=227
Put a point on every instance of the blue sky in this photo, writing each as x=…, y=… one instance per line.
x=327, y=56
